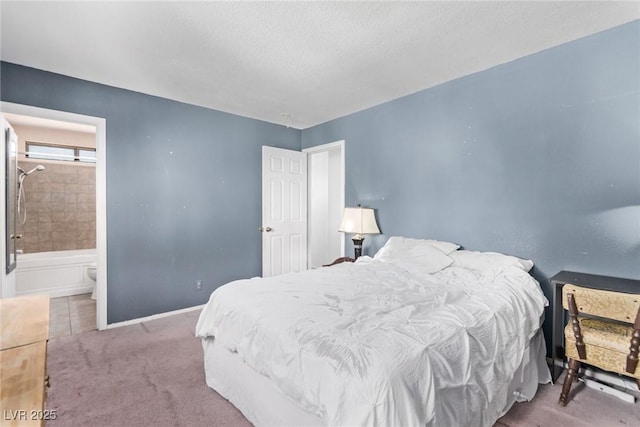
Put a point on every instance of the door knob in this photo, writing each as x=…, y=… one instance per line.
x=267, y=229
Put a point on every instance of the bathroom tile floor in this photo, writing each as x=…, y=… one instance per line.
x=71, y=315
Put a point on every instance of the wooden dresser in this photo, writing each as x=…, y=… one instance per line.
x=24, y=331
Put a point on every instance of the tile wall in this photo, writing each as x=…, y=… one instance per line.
x=60, y=207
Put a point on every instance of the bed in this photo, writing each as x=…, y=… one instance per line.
x=422, y=334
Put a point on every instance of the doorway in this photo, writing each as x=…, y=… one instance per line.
x=326, y=181
x=318, y=213
x=100, y=189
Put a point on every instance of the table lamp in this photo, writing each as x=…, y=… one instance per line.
x=359, y=221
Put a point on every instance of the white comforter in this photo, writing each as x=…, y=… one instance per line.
x=371, y=344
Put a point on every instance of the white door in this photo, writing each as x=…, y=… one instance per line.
x=284, y=211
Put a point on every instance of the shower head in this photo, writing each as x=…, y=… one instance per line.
x=36, y=169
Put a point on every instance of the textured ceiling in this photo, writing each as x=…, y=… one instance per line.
x=314, y=61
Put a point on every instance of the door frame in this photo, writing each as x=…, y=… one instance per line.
x=101, y=189
x=336, y=145
x=7, y=280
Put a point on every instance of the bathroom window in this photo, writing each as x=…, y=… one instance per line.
x=37, y=150
x=86, y=155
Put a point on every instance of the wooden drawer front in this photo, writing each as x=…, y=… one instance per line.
x=23, y=320
x=22, y=370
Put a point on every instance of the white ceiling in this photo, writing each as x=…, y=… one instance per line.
x=314, y=61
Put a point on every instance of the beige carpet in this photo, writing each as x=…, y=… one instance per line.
x=151, y=374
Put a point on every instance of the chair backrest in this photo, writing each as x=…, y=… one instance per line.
x=612, y=305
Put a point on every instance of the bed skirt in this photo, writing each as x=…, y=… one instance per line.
x=262, y=403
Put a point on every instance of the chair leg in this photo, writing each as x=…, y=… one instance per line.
x=574, y=367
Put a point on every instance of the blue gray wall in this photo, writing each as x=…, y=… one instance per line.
x=183, y=189
x=538, y=158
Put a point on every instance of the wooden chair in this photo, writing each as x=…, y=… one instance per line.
x=603, y=331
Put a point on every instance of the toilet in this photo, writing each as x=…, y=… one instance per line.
x=91, y=272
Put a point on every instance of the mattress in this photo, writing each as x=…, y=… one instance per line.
x=372, y=343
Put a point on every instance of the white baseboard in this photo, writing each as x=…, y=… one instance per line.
x=606, y=388
x=621, y=381
x=154, y=317
x=57, y=292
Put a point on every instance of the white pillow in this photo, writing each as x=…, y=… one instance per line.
x=422, y=259
x=484, y=260
x=396, y=245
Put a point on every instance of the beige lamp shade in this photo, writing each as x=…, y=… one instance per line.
x=359, y=221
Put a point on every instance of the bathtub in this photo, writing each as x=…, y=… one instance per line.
x=58, y=273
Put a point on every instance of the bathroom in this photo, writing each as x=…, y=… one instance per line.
x=56, y=222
